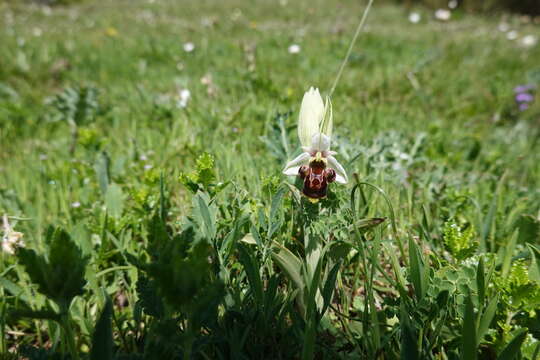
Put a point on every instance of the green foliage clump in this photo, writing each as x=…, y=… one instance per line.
x=460, y=242
x=203, y=177
x=520, y=292
x=76, y=105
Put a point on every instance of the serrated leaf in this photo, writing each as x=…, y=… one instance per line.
x=60, y=277
x=149, y=300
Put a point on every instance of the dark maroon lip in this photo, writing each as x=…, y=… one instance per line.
x=316, y=179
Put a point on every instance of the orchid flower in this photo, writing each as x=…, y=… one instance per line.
x=317, y=165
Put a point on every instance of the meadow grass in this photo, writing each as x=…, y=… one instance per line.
x=93, y=140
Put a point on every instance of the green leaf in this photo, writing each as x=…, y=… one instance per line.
x=416, y=268
x=101, y=168
x=202, y=201
x=508, y=254
x=514, y=346
x=13, y=288
x=468, y=339
x=529, y=229
x=486, y=319
x=329, y=287
x=480, y=282
x=289, y=263
x=534, y=269
x=114, y=200
x=275, y=219
x=252, y=272
x=102, y=338
x=409, y=344
x=149, y=300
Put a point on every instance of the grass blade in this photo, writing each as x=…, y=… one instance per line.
x=468, y=340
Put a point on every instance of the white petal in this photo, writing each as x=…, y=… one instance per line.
x=311, y=115
x=327, y=122
x=341, y=175
x=293, y=166
x=320, y=142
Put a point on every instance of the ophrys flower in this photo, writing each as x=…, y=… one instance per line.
x=317, y=165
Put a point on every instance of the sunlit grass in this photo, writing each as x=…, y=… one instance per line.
x=425, y=112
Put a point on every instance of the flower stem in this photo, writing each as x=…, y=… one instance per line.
x=346, y=59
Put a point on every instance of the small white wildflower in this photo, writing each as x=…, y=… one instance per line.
x=529, y=40
x=37, y=32
x=189, y=47
x=503, y=27
x=414, y=17
x=47, y=11
x=75, y=204
x=443, y=14
x=184, y=97
x=512, y=35
x=42, y=157
x=143, y=157
x=148, y=167
x=11, y=239
x=452, y=4
x=294, y=49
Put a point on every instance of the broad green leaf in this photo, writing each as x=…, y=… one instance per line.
x=208, y=218
x=289, y=263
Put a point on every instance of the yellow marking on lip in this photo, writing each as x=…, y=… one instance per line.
x=318, y=158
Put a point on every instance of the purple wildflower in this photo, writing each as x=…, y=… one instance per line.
x=523, y=106
x=523, y=88
x=524, y=98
